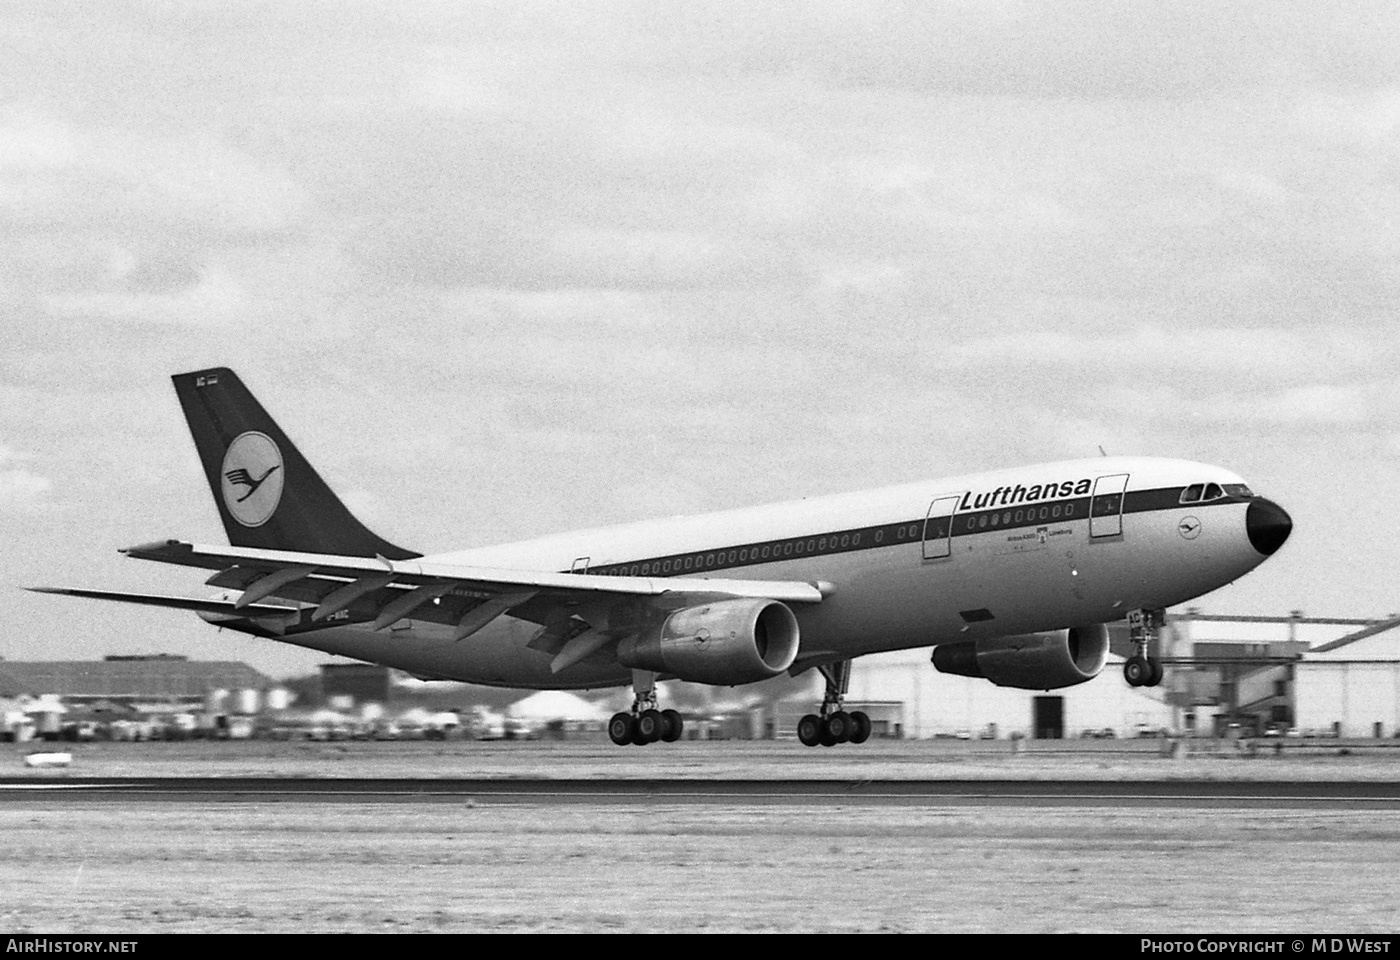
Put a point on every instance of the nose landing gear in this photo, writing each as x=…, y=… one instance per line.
x=834, y=725
x=1141, y=670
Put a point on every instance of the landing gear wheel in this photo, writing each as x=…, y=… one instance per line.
x=671, y=726
x=860, y=726
x=650, y=726
x=1144, y=630
x=809, y=730
x=826, y=739
x=622, y=728
x=1157, y=672
x=1137, y=671
x=838, y=725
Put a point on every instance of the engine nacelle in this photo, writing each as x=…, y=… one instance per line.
x=727, y=642
x=1035, y=661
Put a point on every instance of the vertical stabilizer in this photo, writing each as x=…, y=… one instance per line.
x=267, y=494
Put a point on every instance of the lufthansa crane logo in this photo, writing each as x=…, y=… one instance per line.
x=252, y=478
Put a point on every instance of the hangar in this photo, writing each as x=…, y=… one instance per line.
x=1351, y=686
x=933, y=704
x=129, y=680
x=1325, y=676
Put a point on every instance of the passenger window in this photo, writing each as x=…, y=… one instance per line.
x=1191, y=494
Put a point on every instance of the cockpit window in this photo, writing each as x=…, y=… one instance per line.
x=1192, y=493
x=1213, y=492
x=1239, y=490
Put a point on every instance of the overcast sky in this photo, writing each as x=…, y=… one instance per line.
x=506, y=269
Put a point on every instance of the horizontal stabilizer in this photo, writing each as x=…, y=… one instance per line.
x=179, y=603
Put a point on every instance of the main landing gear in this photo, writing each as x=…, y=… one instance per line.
x=645, y=723
x=1140, y=670
x=834, y=725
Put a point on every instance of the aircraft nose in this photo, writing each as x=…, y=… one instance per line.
x=1268, y=526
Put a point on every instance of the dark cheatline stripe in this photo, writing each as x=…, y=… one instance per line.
x=904, y=532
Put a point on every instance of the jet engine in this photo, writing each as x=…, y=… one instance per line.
x=727, y=642
x=1034, y=661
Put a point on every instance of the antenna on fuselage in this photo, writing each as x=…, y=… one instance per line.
x=1101, y=453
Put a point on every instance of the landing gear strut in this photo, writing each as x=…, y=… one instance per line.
x=645, y=723
x=834, y=725
x=1140, y=670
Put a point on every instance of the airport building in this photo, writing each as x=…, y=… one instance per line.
x=919, y=702
x=159, y=680
x=1246, y=675
x=127, y=697
x=1351, y=685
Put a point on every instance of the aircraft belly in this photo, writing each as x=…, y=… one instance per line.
x=496, y=655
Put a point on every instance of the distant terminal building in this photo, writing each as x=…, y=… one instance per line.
x=129, y=680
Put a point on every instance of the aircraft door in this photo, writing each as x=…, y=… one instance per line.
x=938, y=528
x=1106, y=506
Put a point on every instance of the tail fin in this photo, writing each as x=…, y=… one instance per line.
x=267, y=494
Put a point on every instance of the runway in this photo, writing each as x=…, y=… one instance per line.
x=731, y=836
x=1374, y=795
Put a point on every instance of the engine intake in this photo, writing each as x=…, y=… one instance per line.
x=1034, y=661
x=726, y=643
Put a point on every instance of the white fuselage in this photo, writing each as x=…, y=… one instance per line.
x=958, y=559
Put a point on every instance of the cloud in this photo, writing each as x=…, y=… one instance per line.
x=217, y=298
x=20, y=488
x=57, y=173
x=1079, y=49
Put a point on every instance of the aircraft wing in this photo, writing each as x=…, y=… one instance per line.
x=385, y=591
x=179, y=603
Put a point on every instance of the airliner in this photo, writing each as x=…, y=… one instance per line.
x=1011, y=576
